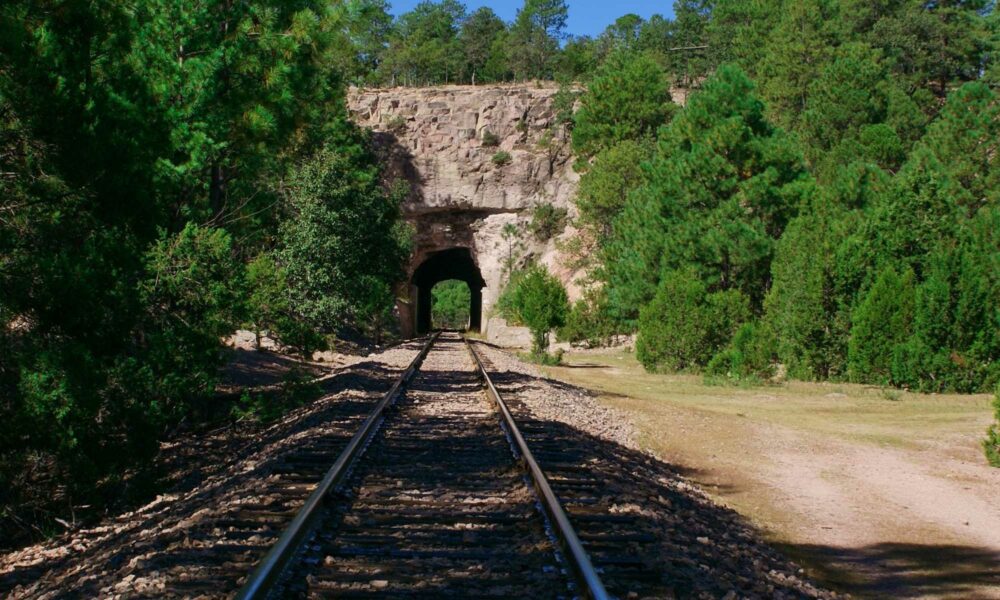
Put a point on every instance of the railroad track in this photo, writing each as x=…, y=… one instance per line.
x=436, y=495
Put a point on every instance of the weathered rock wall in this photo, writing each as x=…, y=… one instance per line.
x=438, y=140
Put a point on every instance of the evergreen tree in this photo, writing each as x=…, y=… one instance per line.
x=628, y=99
x=605, y=187
x=424, y=48
x=478, y=38
x=684, y=325
x=719, y=191
x=534, y=38
x=880, y=323
x=798, y=48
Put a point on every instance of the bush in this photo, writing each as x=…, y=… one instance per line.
x=547, y=221
x=490, y=139
x=684, y=325
x=502, y=158
x=589, y=321
x=880, y=322
x=547, y=359
x=749, y=358
x=396, y=125
x=538, y=300
x=992, y=442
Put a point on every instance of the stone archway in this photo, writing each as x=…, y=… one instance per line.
x=453, y=263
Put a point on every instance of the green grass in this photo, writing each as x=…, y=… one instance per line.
x=847, y=411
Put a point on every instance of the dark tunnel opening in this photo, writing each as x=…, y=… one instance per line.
x=454, y=263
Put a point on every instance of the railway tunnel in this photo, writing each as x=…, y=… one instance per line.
x=453, y=263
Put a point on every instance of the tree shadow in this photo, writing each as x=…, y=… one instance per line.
x=650, y=532
x=904, y=570
x=222, y=482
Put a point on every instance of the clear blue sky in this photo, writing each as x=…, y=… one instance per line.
x=586, y=17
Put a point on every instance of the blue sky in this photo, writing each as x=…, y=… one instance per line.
x=586, y=17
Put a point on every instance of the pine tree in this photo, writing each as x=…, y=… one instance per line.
x=719, y=191
x=628, y=99
x=534, y=38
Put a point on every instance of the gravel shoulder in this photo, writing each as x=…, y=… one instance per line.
x=696, y=543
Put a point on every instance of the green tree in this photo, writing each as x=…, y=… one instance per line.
x=718, y=193
x=880, y=322
x=605, y=187
x=808, y=312
x=450, y=303
x=684, y=325
x=479, y=36
x=538, y=300
x=991, y=445
x=535, y=36
x=628, y=99
x=341, y=245
x=424, y=49
x=798, y=48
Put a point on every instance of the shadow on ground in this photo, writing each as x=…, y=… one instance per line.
x=672, y=540
x=904, y=570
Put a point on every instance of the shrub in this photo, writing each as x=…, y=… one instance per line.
x=490, y=139
x=547, y=359
x=749, y=358
x=684, y=325
x=879, y=324
x=538, y=300
x=396, y=124
x=502, y=158
x=992, y=442
x=589, y=321
x=547, y=221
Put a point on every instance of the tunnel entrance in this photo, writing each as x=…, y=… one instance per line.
x=454, y=263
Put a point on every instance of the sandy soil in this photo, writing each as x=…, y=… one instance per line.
x=874, y=515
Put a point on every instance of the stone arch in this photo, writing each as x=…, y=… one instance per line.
x=453, y=263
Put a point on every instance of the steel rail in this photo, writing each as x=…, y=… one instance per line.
x=270, y=569
x=583, y=570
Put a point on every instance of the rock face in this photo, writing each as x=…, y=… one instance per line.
x=476, y=159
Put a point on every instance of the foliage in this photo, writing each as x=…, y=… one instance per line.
x=490, y=139
x=588, y=320
x=991, y=445
x=481, y=39
x=502, y=158
x=685, y=325
x=553, y=359
x=424, y=46
x=269, y=306
x=749, y=358
x=628, y=99
x=881, y=321
x=605, y=187
x=534, y=38
x=450, y=304
x=144, y=152
x=341, y=245
x=717, y=195
x=538, y=300
x=547, y=221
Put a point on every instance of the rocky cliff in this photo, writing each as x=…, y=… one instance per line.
x=476, y=159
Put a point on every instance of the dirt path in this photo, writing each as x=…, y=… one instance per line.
x=880, y=519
